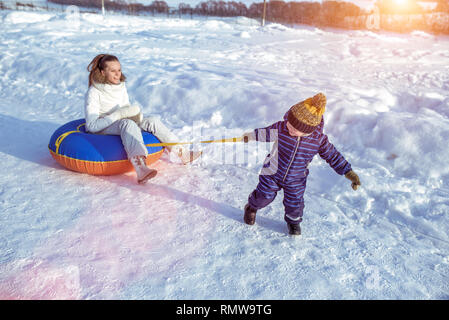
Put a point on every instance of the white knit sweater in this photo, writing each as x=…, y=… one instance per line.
x=101, y=101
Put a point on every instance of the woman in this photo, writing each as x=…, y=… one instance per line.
x=108, y=111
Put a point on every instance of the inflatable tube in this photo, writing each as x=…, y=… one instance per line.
x=96, y=154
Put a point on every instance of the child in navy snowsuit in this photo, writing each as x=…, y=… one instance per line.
x=297, y=139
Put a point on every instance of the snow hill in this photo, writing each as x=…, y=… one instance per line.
x=67, y=235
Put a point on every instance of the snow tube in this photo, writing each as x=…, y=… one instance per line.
x=95, y=154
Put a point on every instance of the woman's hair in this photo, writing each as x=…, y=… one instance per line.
x=98, y=64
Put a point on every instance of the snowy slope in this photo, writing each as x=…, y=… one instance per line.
x=69, y=235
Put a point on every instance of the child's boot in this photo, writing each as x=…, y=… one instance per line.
x=294, y=229
x=143, y=172
x=250, y=215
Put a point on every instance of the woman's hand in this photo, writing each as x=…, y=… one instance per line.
x=128, y=112
x=137, y=118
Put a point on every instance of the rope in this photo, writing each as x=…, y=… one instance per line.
x=64, y=135
x=165, y=144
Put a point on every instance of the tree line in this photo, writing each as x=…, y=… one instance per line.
x=117, y=5
x=277, y=9
x=328, y=13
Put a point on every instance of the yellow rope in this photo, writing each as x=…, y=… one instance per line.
x=165, y=144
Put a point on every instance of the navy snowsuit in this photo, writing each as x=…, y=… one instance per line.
x=286, y=166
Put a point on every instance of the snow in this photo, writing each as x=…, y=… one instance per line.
x=66, y=235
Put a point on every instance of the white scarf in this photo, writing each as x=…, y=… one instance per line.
x=113, y=91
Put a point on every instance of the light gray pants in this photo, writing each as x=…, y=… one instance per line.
x=131, y=134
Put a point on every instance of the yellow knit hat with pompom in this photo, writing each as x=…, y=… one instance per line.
x=306, y=115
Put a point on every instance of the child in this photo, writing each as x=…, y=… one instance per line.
x=297, y=139
x=108, y=111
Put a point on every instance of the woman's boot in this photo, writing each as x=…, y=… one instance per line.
x=143, y=172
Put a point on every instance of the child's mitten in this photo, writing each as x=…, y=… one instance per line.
x=351, y=175
x=249, y=136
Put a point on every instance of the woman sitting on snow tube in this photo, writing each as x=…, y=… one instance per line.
x=108, y=112
x=75, y=149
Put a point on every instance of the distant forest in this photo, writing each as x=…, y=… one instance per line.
x=387, y=15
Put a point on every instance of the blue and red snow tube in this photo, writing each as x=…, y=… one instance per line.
x=95, y=154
